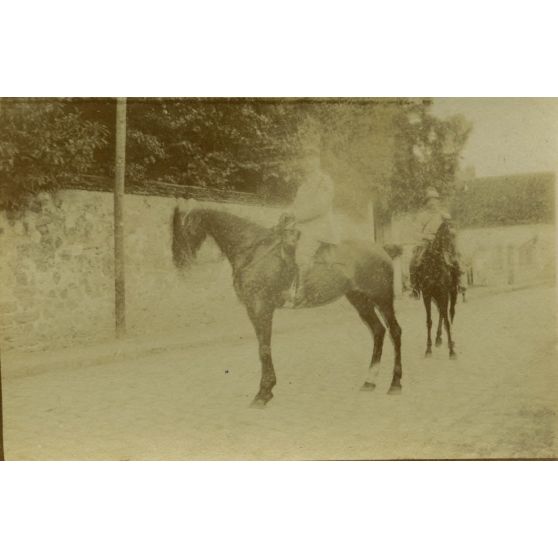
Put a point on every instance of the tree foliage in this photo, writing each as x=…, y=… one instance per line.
x=388, y=150
x=44, y=146
x=426, y=155
x=357, y=149
x=218, y=143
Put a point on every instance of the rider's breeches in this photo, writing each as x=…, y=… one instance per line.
x=414, y=264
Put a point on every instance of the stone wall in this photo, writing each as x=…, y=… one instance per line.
x=57, y=270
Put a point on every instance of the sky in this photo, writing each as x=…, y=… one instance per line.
x=509, y=136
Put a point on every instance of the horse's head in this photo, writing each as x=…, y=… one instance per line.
x=444, y=240
x=188, y=233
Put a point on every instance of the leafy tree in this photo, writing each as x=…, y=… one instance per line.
x=43, y=146
x=357, y=149
x=230, y=144
x=218, y=143
x=388, y=150
x=426, y=155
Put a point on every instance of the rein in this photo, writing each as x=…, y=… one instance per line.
x=254, y=260
x=438, y=248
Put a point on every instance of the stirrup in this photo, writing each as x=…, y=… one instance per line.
x=415, y=294
x=289, y=297
x=293, y=301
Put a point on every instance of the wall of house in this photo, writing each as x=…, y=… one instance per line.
x=513, y=255
x=57, y=269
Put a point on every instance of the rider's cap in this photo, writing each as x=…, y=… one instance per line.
x=432, y=193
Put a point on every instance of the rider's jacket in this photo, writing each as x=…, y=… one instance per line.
x=313, y=208
x=430, y=221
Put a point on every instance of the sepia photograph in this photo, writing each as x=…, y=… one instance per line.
x=278, y=278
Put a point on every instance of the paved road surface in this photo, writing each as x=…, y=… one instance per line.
x=499, y=399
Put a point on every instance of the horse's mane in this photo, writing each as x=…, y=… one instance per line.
x=235, y=220
x=443, y=236
x=437, y=250
x=245, y=230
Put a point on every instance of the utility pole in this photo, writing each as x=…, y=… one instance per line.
x=119, y=180
x=1, y=418
x=1, y=408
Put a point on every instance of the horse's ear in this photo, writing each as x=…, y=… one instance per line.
x=190, y=204
x=183, y=205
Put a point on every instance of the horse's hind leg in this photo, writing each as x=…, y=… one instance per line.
x=365, y=309
x=386, y=308
x=427, y=299
x=444, y=314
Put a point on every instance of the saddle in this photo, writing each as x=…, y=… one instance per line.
x=325, y=254
x=278, y=236
x=289, y=235
x=319, y=283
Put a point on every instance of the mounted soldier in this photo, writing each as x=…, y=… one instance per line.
x=429, y=223
x=263, y=268
x=312, y=215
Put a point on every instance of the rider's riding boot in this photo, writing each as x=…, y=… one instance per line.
x=459, y=277
x=306, y=249
x=414, y=271
x=290, y=296
x=462, y=284
x=296, y=295
x=415, y=291
x=300, y=296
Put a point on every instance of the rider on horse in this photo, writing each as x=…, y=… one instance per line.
x=430, y=222
x=312, y=213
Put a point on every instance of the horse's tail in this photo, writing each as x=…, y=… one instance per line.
x=393, y=250
x=453, y=300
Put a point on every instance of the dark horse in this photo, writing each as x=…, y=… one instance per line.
x=263, y=269
x=438, y=281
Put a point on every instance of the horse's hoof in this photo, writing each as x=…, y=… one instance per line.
x=453, y=356
x=258, y=404
x=438, y=342
x=394, y=390
x=427, y=354
x=368, y=386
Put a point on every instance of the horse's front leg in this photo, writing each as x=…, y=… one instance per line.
x=439, y=330
x=261, y=315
